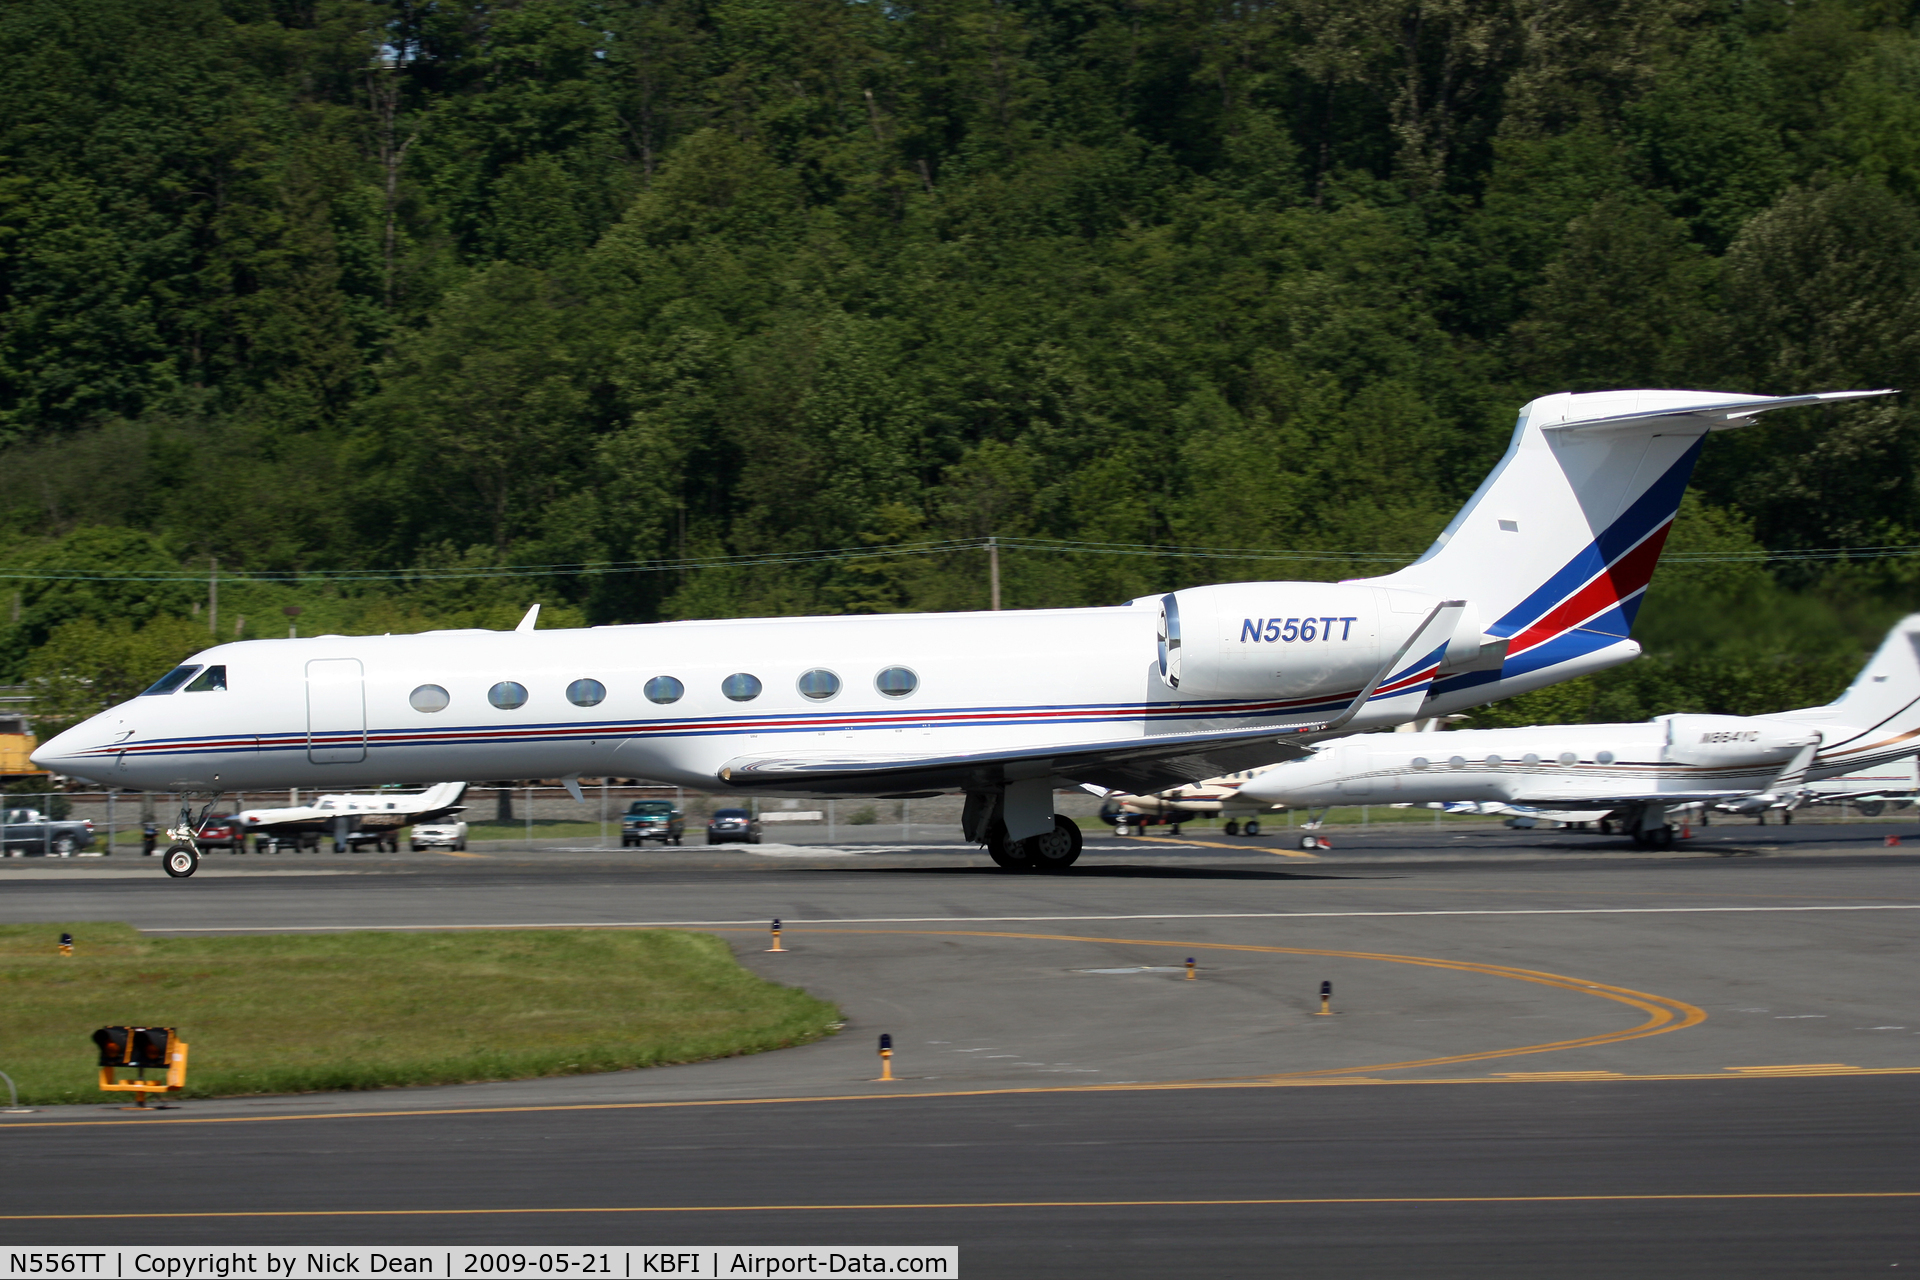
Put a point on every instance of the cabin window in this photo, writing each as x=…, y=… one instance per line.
x=1421, y=762
x=170, y=681
x=429, y=697
x=896, y=682
x=507, y=695
x=1494, y=762
x=586, y=693
x=1604, y=757
x=1530, y=759
x=1457, y=762
x=664, y=689
x=212, y=680
x=741, y=687
x=818, y=684
x=1567, y=757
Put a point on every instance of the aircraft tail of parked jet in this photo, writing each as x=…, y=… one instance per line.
x=1877, y=719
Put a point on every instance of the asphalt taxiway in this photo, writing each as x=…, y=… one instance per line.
x=1545, y=1055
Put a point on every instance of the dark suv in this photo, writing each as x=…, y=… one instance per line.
x=647, y=820
x=731, y=826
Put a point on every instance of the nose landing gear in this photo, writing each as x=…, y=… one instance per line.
x=183, y=855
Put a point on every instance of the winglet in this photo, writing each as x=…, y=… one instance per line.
x=1401, y=685
x=1796, y=771
x=526, y=623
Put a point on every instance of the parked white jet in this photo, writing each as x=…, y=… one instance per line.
x=1536, y=580
x=1637, y=771
x=340, y=816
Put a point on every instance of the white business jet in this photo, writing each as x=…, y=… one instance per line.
x=1536, y=580
x=377, y=814
x=1636, y=772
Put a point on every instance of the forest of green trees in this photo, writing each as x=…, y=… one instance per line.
x=368, y=298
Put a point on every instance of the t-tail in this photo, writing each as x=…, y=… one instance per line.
x=1878, y=718
x=1556, y=548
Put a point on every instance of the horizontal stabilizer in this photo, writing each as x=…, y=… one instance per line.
x=1733, y=412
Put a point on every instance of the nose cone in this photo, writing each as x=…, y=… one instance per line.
x=55, y=754
x=81, y=752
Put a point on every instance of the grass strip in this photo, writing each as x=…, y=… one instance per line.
x=299, y=1013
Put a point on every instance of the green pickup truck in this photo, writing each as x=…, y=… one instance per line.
x=647, y=820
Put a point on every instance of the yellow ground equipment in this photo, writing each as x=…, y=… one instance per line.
x=16, y=748
x=143, y=1051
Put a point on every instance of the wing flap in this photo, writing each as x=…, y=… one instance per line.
x=1132, y=764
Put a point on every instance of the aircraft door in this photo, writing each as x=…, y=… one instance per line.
x=336, y=711
x=1356, y=762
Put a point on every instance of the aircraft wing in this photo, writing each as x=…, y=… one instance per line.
x=1614, y=802
x=1127, y=764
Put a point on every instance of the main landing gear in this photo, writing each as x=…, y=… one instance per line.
x=1054, y=850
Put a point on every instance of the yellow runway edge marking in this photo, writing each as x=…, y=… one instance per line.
x=1274, y=1202
x=1214, y=844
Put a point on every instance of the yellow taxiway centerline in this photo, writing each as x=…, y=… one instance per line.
x=1170, y=1086
x=1214, y=844
x=1663, y=1015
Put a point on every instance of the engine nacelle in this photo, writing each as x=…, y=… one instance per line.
x=1734, y=741
x=1289, y=639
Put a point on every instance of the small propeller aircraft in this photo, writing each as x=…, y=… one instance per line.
x=380, y=815
x=1536, y=580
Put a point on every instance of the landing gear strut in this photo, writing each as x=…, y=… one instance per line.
x=183, y=855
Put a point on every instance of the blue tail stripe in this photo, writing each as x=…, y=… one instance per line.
x=1648, y=512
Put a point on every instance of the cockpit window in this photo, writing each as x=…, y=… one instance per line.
x=213, y=679
x=170, y=681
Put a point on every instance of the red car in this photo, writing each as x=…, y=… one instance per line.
x=222, y=831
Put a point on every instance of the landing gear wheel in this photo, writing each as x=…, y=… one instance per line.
x=1252, y=828
x=1122, y=829
x=1174, y=830
x=182, y=860
x=1654, y=838
x=1058, y=849
x=1310, y=842
x=1010, y=855
x=1232, y=828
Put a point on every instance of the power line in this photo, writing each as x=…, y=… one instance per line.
x=1057, y=546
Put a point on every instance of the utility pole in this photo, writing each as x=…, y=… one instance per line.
x=213, y=596
x=993, y=570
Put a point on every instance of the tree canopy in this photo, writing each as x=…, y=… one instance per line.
x=324, y=288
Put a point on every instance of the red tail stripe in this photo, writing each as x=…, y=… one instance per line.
x=1630, y=573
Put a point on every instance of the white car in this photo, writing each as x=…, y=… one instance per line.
x=438, y=835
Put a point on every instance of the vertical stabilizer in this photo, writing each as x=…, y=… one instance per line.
x=1558, y=544
x=1878, y=718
